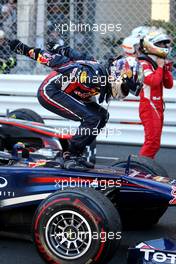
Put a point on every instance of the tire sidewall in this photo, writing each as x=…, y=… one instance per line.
x=89, y=210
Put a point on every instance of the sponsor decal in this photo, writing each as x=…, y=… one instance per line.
x=7, y=194
x=32, y=54
x=42, y=59
x=83, y=95
x=3, y=182
x=161, y=179
x=37, y=163
x=83, y=77
x=135, y=173
x=158, y=257
x=173, y=193
x=22, y=199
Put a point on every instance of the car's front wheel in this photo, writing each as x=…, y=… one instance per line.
x=77, y=226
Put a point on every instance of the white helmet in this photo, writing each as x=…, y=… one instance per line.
x=130, y=45
x=2, y=34
x=140, y=32
x=152, y=44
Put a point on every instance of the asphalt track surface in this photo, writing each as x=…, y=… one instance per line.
x=13, y=251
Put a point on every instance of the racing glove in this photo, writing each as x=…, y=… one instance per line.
x=19, y=47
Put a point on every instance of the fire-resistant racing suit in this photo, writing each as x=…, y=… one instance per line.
x=67, y=90
x=151, y=106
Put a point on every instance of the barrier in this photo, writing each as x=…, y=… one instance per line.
x=19, y=91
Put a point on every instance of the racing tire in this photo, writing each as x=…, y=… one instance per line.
x=142, y=164
x=76, y=225
x=26, y=114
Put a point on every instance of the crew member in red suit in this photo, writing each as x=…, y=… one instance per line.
x=155, y=48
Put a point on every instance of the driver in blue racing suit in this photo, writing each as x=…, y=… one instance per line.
x=68, y=89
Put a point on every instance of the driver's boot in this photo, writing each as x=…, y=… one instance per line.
x=86, y=163
x=72, y=162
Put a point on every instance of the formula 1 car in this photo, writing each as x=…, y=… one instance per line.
x=76, y=216
x=153, y=252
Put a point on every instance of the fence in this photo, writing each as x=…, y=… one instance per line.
x=19, y=91
x=93, y=26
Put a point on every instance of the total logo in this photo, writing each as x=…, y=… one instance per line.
x=160, y=257
x=3, y=182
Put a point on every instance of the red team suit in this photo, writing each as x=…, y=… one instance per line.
x=151, y=106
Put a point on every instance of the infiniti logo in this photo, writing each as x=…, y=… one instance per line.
x=3, y=182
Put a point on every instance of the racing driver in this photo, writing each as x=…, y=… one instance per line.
x=68, y=89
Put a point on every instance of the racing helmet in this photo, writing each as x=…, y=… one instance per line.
x=156, y=43
x=140, y=32
x=126, y=76
x=130, y=45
